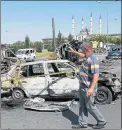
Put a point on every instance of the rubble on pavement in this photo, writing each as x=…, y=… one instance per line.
x=39, y=104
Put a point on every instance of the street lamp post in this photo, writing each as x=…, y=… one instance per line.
x=53, y=31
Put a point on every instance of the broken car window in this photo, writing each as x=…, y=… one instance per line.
x=37, y=69
x=54, y=71
x=59, y=69
x=52, y=68
x=63, y=67
x=33, y=70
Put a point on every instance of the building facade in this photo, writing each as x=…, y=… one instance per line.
x=84, y=33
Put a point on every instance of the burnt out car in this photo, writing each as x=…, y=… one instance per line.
x=55, y=79
x=30, y=79
x=109, y=86
x=65, y=53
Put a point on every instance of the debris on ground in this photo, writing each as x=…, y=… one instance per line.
x=39, y=104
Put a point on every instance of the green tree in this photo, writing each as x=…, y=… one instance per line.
x=70, y=37
x=105, y=39
x=116, y=40
x=59, y=38
x=17, y=45
x=27, y=42
x=48, y=45
x=62, y=39
x=99, y=38
x=37, y=46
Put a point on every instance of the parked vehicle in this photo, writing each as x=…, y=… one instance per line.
x=58, y=79
x=26, y=54
x=114, y=55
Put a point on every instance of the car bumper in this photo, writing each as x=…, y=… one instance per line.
x=113, y=57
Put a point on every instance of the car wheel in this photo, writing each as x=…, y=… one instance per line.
x=18, y=94
x=103, y=96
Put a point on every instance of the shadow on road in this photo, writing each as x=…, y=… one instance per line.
x=70, y=115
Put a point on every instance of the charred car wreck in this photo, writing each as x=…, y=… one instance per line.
x=8, y=58
x=64, y=52
x=55, y=79
x=109, y=86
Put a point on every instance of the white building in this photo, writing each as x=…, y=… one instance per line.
x=82, y=35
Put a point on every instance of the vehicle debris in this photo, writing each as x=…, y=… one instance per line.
x=39, y=104
x=58, y=78
x=64, y=53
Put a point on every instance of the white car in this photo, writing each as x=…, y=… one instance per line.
x=30, y=78
x=55, y=79
x=26, y=54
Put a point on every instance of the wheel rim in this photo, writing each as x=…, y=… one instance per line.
x=101, y=97
x=18, y=95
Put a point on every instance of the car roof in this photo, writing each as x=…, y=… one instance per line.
x=45, y=61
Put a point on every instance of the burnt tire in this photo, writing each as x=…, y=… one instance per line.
x=103, y=96
x=18, y=95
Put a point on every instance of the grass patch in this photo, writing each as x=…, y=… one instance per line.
x=45, y=53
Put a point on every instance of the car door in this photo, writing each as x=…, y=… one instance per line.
x=34, y=82
x=63, y=85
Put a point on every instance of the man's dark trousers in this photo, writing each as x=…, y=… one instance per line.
x=86, y=104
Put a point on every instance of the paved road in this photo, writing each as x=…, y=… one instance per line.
x=18, y=118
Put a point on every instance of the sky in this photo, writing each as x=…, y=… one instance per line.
x=34, y=18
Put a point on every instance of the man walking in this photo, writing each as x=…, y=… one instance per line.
x=88, y=77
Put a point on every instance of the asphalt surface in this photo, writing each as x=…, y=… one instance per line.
x=18, y=118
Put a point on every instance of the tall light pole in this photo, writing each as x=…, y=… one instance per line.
x=53, y=30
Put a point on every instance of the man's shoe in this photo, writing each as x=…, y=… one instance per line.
x=78, y=126
x=99, y=126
